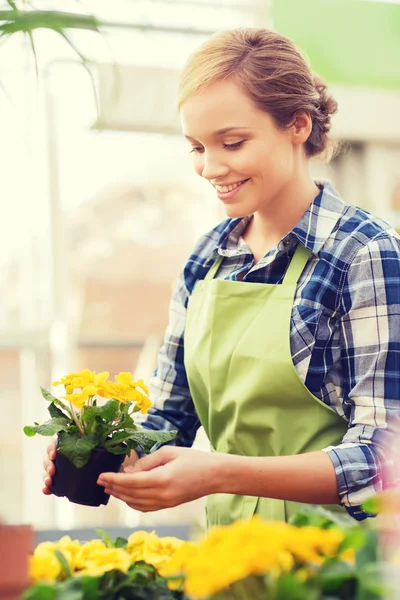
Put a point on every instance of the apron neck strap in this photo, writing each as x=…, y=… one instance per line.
x=214, y=268
x=294, y=270
x=297, y=264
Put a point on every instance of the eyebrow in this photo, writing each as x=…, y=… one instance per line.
x=220, y=131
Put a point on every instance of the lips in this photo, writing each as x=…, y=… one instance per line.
x=227, y=196
x=226, y=185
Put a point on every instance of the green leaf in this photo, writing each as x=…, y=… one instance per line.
x=146, y=438
x=368, y=553
x=105, y=537
x=334, y=572
x=77, y=448
x=288, y=587
x=120, y=542
x=354, y=538
x=50, y=427
x=108, y=412
x=56, y=412
x=40, y=591
x=47, y=396
x=117, y=449
x=50, y=398
x=371, y=586
x=372, y=505
x=63, y=562
x=318, y=516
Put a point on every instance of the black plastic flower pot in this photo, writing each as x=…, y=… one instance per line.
x=80, y=485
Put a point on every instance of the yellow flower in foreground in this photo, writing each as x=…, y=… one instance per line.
x=249, y=547
x=135, y=545
x=44, y=565
x=70, y=549
x=159, y=551
x=148, y=547
x=102, y=560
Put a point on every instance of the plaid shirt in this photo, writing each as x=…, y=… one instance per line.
x=345, y=331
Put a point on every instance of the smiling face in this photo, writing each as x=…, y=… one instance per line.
x=239, y=149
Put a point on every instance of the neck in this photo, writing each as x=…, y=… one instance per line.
x=285, y=210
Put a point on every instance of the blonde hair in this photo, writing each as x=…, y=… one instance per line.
x=270, y=69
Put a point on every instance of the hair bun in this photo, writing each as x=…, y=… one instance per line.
x=326, y=103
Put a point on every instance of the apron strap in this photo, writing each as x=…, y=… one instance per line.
x=213, y=271
x=294, y=270
x=297, y=264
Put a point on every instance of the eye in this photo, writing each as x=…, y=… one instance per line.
x=235, y=145
x=197, y=150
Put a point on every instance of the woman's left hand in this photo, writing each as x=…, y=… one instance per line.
x=168, y=477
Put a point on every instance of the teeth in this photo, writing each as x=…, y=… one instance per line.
x=228, y=188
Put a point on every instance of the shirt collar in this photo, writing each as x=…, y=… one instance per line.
x=312, y=231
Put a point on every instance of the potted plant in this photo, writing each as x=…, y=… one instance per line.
x=95, y=431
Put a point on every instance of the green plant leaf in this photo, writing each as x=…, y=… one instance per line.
x=77, y=448
x=372, y=505
x=146, y=438
x=368, y=553
x=117, y=449
x=108, y=412
x=354, y=538
x=79, y=588
x=63, y=562
x=318, y=516
x=334, y=572
x=56, y=413
x=40, y=591
x=288, y=587
x=50, y=427
x=105, y=537
x=50, y=398
x=121, y=542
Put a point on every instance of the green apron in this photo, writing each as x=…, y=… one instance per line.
x=245, y=388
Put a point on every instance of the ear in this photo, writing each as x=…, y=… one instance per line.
x=301, y=128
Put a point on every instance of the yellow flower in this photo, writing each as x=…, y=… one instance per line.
x=70, y=549
x=101, y=378
x=136, y=543
x=159, y=551
x=143, y=403
x=113, y=390
x=43, y=564
x=86, y=551
x=250, y=547
x=102, y=560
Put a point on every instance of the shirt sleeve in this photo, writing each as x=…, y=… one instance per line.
x=370, y=362
x=172, y=405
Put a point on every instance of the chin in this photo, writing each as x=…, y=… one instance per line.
x=236, y=212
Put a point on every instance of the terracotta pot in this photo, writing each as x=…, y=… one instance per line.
x=80, y=485
x=16, y=544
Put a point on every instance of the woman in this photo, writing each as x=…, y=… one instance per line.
x=284, y=328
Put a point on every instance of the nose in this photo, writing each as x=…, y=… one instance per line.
x=213, y=167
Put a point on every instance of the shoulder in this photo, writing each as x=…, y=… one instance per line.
x=359, y=234
x=205, y=252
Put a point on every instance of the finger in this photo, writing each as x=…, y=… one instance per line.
x=47, y=491
x=152, y=461
x=52, y=451
x=124, y=480
x=51, y=469
x=145, y=506
x=125, y=494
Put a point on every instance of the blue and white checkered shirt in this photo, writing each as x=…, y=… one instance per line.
x=345, y=331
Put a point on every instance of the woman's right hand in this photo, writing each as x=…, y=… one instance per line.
x=49, y=467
